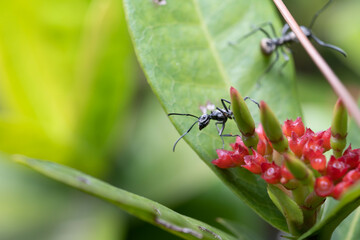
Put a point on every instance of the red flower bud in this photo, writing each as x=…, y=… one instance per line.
x=285, y=174
x=264, y=146
x=261, y=147
x=253, y=162
x=340, y=188
x=315, y=145
x=225, y=160
x=326, y=138
x=296, y=126
x=318, y=162
x=352, y=176
x=297, y=144
x=238, y=142
x=238, y=155
x=352, y=157
x=336, y=168
x=260, y=131
x=271, y=172
x=323, y=186
x=309, y=133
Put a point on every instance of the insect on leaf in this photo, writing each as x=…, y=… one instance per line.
x=189, y=52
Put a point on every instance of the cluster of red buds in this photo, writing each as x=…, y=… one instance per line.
x=290, y=154
x=333, y=178
x=292, y=160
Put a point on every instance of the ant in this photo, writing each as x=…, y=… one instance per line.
x=218, y=114
x=269, y=45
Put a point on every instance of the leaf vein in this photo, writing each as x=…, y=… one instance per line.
x=212, y=47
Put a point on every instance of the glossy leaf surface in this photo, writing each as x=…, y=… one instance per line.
x=184, y=49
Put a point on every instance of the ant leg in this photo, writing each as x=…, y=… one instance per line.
x=273, y=62
x=184, y=135
x=220, y=131
x=223, y=126
x=182, y=114
x=328, y=45
x=230, y=135
x=265, y=32
x=246, y=98
x=285, y=29
x=258, y=28
x=223, y=135
x=272, y=28
x=223, y=113
x=286, y=58
x=224, y=105
x=268, y=68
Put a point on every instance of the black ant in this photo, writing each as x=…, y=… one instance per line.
x=269, y=45
x=218, y=114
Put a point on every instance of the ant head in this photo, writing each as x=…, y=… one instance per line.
x=306, y=31
x=204, y=121
x=267, y=46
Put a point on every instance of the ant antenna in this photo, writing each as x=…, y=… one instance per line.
x=246, y=98
x=183, y=114
x=188, y=115
x=184, y=133
x=318, y=13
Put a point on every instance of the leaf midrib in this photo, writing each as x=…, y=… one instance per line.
x=210, y=40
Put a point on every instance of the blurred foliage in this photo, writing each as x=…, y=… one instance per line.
x=68, y=80
x=65, y=68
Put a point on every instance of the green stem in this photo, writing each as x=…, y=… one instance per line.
x=299, y=194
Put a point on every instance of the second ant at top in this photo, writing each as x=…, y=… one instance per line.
x=273, y=44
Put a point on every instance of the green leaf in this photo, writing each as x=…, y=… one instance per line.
x=288, y=207
x=183, y=48
x=349, y=228
x=338, y=212
x=240, y=231
x=138, y=206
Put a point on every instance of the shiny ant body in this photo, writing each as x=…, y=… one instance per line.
x=218, y=114
x=273, y=44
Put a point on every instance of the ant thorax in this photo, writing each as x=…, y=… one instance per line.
x=288, y=38
x=267, y=46
x=306, y=31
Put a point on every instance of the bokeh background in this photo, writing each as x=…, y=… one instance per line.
x=71, y=91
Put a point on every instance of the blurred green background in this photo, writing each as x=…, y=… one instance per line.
x=71, y=91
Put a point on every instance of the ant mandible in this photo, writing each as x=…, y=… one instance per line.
x=272, y=44
x=220, y=115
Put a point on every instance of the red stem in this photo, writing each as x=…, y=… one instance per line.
x=334, y=81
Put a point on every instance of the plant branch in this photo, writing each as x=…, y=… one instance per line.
x=324, y=68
